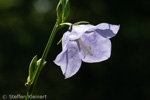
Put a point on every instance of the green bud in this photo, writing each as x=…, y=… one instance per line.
x=59, y=11
x=38, y=63
x=33, y=68
x=66, y=11
x=63, y=9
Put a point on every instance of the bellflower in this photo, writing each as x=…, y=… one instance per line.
x=87, y=43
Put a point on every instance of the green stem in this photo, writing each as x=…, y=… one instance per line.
x=47, y=48
x=27, y=95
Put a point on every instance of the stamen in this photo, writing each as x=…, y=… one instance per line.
x=83, y=46
x=89, y=47
x=83, y=52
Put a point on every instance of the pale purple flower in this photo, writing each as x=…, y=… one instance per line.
x=85, y=43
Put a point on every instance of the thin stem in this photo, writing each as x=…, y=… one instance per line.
x=47, y=48
x=27, y=95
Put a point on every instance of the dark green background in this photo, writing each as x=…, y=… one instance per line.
x=25, y=26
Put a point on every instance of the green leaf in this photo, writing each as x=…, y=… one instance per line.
x=32, y=70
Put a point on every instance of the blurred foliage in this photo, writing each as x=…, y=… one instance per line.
x=25, y=26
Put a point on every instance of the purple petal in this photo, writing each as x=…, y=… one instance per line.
x=61, y=60
x=106, y=30
x=100, y=47
x=65, y=40
x=74, y=59
x=78, y=30
x=69, y=60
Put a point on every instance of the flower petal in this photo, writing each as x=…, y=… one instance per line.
x=74, y=59
x=69, y=60
x=61, y=60
x=65, y=40
x=78, y=30
x=106, y=30
x=100, y=47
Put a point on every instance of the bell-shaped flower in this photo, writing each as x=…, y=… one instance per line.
x=87, y=43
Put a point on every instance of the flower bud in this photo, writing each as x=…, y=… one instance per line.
x=33, y=68
x=63, y=9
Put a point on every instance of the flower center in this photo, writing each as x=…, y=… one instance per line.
x=85, y=47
